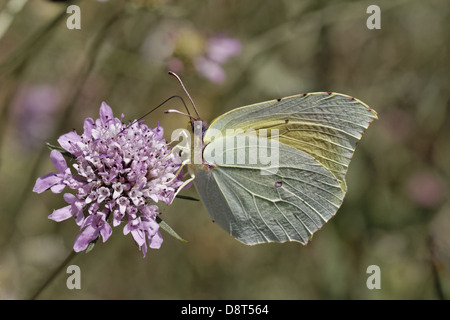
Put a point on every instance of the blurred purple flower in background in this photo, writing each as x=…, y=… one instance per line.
x=426, y=189
x=121, y=172
x=34, y=109
x=185, y=47
x=218, y=50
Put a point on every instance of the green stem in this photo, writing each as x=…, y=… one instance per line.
x=53, y=275
x=435, y=268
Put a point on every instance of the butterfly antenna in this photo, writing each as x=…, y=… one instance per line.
x=179, y=112
x=187, y=93
x=162, y=103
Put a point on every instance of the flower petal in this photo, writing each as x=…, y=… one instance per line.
x=89, y=234
x=144, y=249
x=159, y=132
x=58, y=161
x=138, y=236
x=67, y=140
x=88, y=126
x=45, y=182
x=106, y=231
x=79, y=218
x=106, y=113
x=156, y=241
x=126, y=229
x=69, y=198
x=58, y=188
x=118, y=216
x=61, y=214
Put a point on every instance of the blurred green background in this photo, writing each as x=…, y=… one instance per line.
x=396, y=213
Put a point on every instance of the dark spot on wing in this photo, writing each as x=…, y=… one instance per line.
x=278, y=184
x=286, y=121
x=279, y=99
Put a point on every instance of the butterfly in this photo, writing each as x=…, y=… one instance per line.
x=293, y=196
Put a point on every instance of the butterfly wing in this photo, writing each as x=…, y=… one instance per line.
x=326, y=126
x=317, y=136
x=289, y=205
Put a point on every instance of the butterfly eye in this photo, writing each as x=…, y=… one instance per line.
x=278, y=184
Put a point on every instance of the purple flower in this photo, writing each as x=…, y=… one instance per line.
x=121, y=172
x=55, y=181
x=94, y=225
x=185, y=47
x=426, y=189
x=221, y=48
x=209, y=69
x=35, y=107
x=75, y=208
x=218, y=50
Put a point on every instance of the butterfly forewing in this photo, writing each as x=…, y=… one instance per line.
x=326, y=126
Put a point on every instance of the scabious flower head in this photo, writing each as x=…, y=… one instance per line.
x=120, y=173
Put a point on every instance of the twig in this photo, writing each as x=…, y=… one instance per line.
x=53, y=275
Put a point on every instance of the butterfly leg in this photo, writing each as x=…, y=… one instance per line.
x=185, y=183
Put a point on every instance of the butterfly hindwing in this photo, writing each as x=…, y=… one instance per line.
x=288, y=205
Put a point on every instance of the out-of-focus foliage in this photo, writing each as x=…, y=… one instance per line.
x=397, y=211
